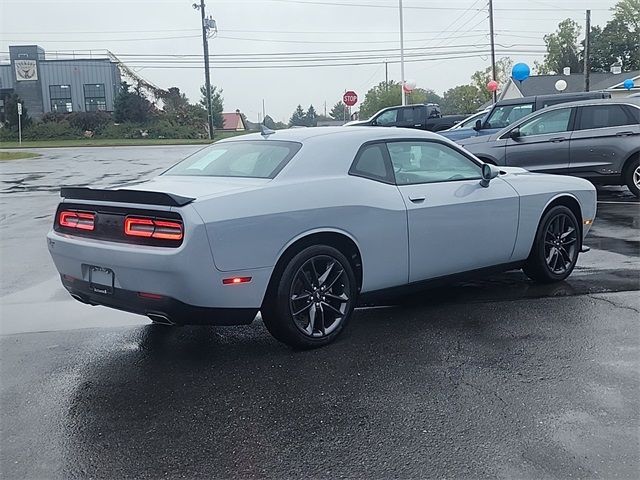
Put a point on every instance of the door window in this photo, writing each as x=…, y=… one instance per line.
x=387, y=118
x=549, y=122
x=428, y=162
x=602, y=116
x=505, y=115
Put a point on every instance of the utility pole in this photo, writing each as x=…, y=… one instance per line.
x=587, y=53
x=386, y=75
x=493, y=49
x=264, y=113
x=207, y=23
x=404, y=96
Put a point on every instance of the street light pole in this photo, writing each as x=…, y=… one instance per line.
x=207, y=78
x=493, y=49
x=404, y=96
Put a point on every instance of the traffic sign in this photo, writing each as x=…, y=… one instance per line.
x=350, y=98
x=19, y=109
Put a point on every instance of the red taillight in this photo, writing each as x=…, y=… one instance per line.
x=151, y=228
x=235, y=280
x=79, y=220
x=151, y=296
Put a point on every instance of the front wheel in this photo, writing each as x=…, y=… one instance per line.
x=632, y=177
x=555, y=248
x=312, y=300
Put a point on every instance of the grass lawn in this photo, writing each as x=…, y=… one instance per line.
x=114, y=142
x=17, y=155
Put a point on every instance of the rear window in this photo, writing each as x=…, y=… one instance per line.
x=251, y=159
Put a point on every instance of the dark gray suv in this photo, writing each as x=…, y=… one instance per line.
x=595, y=139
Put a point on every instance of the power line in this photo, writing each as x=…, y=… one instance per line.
x=414, y=7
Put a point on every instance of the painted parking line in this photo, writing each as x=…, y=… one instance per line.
x=610, y=202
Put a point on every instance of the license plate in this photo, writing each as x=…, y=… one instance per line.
x=101, y=280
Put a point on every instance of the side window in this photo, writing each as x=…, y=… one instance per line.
x=412, y=115
x=387, y=118
x=602, y=116
x=429, y=162
x=370, y=163
x=548, y=122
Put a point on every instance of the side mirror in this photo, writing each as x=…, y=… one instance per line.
x=515, y=133
x=489, y=172
x=478, y=125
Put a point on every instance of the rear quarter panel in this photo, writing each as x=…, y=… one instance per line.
x=250, y=230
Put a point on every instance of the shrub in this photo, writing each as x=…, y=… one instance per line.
x=61, y=130
x=91, y=121
x=167, y=129
x=121, y=130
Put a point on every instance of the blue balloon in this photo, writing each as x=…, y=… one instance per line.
x=520, y=71
x=628, y=84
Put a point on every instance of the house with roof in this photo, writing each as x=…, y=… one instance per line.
x=611, y=82
x=233, y=122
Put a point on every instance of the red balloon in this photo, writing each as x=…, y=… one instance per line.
x=492, y=86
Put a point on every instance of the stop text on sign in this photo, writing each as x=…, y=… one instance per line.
x=350, y=98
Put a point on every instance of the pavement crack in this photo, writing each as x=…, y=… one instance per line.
x=611, y=302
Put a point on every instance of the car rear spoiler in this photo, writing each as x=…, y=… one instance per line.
x=125, y=196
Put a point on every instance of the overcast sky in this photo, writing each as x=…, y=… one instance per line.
x=158, y=31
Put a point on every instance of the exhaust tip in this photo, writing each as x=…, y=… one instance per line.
x=81, y=299
x=160, y=318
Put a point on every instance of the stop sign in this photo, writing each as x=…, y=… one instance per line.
x=350, y=98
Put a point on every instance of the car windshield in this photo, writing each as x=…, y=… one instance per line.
x=252, y=159
x=470, y=121
x=505, y=115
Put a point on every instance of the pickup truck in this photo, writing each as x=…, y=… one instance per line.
x=423, y=116
x=506, y=112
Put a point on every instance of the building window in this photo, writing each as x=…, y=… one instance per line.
x=94, y=98
x=60, y=98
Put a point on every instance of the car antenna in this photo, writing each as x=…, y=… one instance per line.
x=265, y=132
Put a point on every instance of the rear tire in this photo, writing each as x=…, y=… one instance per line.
x=556, y=246
x=312, y=300
x=632, y=177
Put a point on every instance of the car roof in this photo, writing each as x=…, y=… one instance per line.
x=593, y=101
x=363, y=134
x=551, y=96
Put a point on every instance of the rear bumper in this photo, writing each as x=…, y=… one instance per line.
x=161, y=309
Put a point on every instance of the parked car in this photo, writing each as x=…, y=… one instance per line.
x=300, y=224
x=423, y=117
x=506, y=112
x=470, y=121
x=595, y=139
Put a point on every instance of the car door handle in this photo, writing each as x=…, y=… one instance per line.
x=557, y=139
x=625, y=134
x=417, y=198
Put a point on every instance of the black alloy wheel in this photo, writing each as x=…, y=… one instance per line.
x=311, y=301
x=556, y=246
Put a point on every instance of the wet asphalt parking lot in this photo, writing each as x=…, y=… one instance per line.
x=492, y=378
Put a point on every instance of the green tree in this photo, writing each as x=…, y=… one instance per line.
x=388, y=94
x=311, y=117
x=618, y=40
x=562, y=49
x=217, y=104
x=339, y=112
x=298, y=119
x=431, y=96
x=131, y=105
x=462, y=99
x=482, y=77
x=11, y=112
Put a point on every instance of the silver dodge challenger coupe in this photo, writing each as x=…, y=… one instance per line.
x=301, y=224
